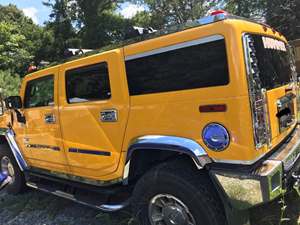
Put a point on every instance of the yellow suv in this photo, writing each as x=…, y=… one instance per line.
x=192, y=125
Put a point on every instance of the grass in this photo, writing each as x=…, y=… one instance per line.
x=37, y=208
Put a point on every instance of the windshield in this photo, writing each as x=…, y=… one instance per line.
x=274, y=61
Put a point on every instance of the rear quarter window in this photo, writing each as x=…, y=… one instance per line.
x=184, y=66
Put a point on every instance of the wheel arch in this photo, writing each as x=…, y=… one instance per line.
x=7, y=136
x=147, y=151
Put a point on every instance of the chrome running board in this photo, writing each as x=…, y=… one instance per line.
x=72, y=197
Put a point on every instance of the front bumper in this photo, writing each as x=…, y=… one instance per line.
x=266, y=180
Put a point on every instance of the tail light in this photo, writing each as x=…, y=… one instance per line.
x=258, y=101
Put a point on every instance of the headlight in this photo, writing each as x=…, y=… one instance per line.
x=216, y=137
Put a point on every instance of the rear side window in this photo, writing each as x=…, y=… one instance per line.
x=89, y=83
x=185, y=66
x=40, y=92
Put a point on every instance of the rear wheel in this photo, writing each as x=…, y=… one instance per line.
x=177, y=195
x=9, y=166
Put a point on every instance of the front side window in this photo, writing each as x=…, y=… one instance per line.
x=184, y=66
x=40, y=92
x=89, y=83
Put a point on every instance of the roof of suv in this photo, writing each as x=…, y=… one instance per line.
x=169, y=30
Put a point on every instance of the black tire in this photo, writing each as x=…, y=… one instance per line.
x=191, y=186
x=18, y=184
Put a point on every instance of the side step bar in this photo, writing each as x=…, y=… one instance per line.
x=74, y=198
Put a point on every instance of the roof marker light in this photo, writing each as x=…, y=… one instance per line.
x=218, y=12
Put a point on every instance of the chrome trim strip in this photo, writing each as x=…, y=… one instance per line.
x=16, y=150
x=126, y=173
x=176, y=46
x=171, y=143
x=41, y=146
x=240, y=162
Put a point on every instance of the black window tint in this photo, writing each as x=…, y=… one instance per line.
x=40, y=92
x=274, y=65
x=197, y=66
x=88, y=84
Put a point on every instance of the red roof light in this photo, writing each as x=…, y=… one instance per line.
x=31, y=69
x=217, y=12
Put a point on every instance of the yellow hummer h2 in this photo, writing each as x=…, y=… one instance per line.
x=190, y=126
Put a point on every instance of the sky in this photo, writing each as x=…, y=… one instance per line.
x=40, y=13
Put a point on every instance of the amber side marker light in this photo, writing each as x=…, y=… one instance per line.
x=213, y=108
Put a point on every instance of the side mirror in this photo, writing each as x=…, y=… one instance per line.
x=13, y=102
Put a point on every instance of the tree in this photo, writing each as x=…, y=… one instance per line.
x=9, y=83
x=173, y=11
x=99, y=23
x=254, y=9
x=284, y=15
x=13, y=53
x=61, y=27
x=20, y=40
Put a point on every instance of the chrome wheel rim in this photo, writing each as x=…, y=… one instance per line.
x=7, y=168
x=166, y=209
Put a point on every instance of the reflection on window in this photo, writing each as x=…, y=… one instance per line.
x=197, y=66
x=40, y=92
x=88, y=84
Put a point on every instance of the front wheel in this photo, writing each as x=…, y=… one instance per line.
x=9, y=166
x=174, y=195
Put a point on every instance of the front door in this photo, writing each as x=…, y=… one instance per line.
x=93, y=113
x=42, y=135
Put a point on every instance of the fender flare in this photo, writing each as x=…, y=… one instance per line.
x=10, y=138
x=168, y=143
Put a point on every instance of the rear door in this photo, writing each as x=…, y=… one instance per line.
x=93, y=113
x=277, y=76
x=42, y=132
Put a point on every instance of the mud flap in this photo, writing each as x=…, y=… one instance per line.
x=4, y=180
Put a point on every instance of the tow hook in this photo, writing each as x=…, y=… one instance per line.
x=296, y=185
x=4, y=180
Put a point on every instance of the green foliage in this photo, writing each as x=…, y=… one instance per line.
x=247, y=8
x=100, y=24
x=168, y=12
x=20, y=40
x=9, y=83
x=61, y=33
x=284, y=15
x=13, y=53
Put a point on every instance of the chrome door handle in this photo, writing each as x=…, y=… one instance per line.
x=50, y=119
x=109, y=115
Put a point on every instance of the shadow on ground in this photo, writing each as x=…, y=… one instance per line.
x=270, y=214
x=35, y=208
